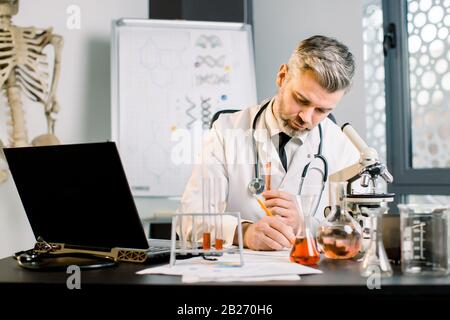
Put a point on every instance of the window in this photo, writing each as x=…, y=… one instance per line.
x=417, y=62
x=374, y=76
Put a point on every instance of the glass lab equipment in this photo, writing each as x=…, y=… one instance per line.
x=339, y=235
x=188, y=245
x=218, y=206
x=213, y=202
x=207, y=206
x=375, y=260
x=202, y=233
x=424, y=239
x=304, y=250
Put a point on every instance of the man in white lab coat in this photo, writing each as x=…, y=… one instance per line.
x=310, y=86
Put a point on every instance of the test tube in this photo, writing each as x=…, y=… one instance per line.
x=206, y=185
x=268, y=175
x=219, y=209
x=194, y=233
x=182, y=237
x=219, y=233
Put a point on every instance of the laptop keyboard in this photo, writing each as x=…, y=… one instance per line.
x=159, y=245
x=159, y=249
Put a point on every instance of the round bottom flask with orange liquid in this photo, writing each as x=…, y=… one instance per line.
x=339, y=236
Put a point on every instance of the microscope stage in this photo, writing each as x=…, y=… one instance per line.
x=370, y=198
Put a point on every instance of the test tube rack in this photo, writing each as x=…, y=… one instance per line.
x=182, y=247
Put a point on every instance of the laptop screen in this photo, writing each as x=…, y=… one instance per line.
x=77, y=194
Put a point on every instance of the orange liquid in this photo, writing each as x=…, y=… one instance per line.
x=219, y=244
x=304, y=251
x=268, y=175
x=337, y=244
x=206, y=241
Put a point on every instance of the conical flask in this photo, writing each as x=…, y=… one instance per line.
x=304, y=250
x=375, y=259
x=339, y=235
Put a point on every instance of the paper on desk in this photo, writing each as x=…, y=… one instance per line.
x=195, y=279
x=283, y=254
x=258, y=266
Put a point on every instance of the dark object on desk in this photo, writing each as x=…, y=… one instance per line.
x=60, y=262
x=391, y=236
x=160, y=229
x=77, y=198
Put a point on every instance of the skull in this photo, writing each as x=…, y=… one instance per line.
x=9, y=7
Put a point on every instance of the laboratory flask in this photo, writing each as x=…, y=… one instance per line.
x=339, y=235
x=375, y=260
x=304, y=250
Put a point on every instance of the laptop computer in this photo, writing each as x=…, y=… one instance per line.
x=77, y=198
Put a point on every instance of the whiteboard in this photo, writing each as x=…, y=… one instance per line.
x=168, y=79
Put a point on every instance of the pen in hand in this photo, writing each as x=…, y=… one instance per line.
x=267, y=186
x=263, y=206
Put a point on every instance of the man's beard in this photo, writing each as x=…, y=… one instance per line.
x=284, y=124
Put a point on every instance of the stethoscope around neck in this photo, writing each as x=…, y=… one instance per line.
x=257, y=184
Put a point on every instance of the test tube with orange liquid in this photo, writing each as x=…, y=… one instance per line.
x=268, y=175
x=206, y=193
x=219, y=233
x=219, y=208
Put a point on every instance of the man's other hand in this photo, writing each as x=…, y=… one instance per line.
x=269, y=233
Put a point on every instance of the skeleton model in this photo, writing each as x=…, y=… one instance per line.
x=23, y=69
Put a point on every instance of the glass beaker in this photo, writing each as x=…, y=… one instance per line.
x=339, y=235
x=304, y=250
x=375, y=260
x=424, y=239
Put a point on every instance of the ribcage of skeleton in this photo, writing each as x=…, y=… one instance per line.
x=21, y=53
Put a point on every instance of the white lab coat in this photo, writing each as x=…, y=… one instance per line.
x=228, y=157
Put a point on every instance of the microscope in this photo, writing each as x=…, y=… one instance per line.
x=367, y=170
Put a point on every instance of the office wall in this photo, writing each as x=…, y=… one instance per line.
x=84, y=88
x=280, y=25
x=83, y=93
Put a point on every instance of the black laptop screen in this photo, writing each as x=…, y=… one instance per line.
x=77, y=194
